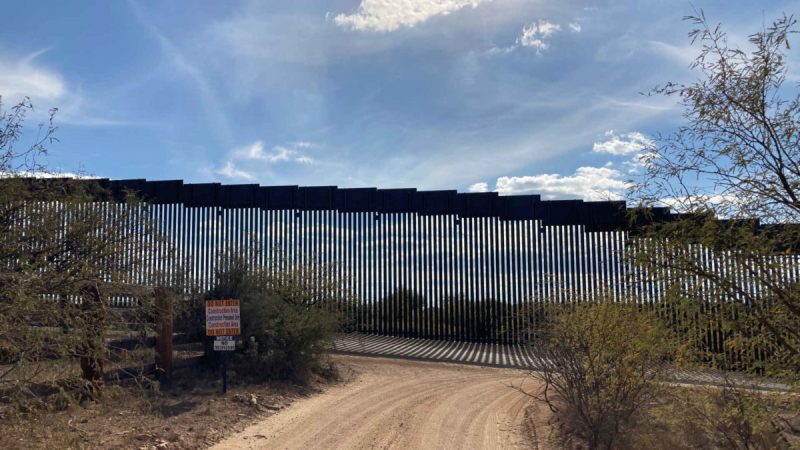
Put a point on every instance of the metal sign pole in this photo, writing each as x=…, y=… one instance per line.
x=223, y=321
x=224, y=372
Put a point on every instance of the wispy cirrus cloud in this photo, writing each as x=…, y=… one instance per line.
x=683, y=54
x=212, y=104
x=279, y=153
x=536, y=35
x=402, y=92
x=258, y=159
x=26, y=78
x=390, y=15
x=229, y=170
x=465, y=103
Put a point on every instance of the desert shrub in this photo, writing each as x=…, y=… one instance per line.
x=598, y=364
x=730, y=416
x=289, y=317
x=400, y=311
x=728, y=335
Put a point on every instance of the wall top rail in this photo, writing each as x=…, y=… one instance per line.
x=594, y=215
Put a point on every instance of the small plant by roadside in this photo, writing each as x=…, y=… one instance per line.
x=599, y=363
x=730, y=416
x=289, y=315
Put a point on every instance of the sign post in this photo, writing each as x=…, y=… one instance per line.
x=223, y=321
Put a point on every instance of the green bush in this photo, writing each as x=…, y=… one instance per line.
x=289, y=317
x=731, y=417
x=598, y=367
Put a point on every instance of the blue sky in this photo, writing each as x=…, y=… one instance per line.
x=507, y=95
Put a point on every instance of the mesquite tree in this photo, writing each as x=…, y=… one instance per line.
x=66, y=248
x=737, y=158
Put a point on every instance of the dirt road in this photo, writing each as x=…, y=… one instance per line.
x=406, y=405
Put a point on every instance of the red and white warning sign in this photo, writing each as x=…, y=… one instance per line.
x=223, y=318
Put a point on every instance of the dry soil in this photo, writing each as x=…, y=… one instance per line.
x=407, y=405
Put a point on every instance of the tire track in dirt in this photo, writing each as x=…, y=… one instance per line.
x=405, y=405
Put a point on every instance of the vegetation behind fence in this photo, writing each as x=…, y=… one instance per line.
x=431, y=264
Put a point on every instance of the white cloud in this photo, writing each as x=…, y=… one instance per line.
x=40, y=174
x=575, y=27
x=252, y=151
x=691, y=203
x=263, y=56
x=19, y=79
x=478, y=187
x=587, y=183
x=535, y=35
x=304, y=160
x=46, y=88
x=565, y=133
x=639, y=162
x=681, y=54
x=279, y=153
x=623, y=144
x=229, y=170
x=390, y=15
x=304, y=144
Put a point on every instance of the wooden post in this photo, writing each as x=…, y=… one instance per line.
x=164, y=312
x=93, y=349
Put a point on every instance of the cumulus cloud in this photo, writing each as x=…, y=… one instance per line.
x=478, y=187
x=229, y=170
x=587, y=183
x=639, y=161
x=623, y=144
x=390, y=15
x=535, y=35
x=279, y=153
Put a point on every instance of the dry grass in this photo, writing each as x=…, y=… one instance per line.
x=712, y=417
x=192, y=414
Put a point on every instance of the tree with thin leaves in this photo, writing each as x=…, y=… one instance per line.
x=736, y=158
x=66, y=248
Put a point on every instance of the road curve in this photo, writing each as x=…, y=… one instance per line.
x=401, y=404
